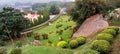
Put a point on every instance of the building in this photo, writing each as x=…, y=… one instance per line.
x=32, y=17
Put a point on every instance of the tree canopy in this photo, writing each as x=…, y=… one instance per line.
x=12, y=23
x=54, y=10
x=83, y=9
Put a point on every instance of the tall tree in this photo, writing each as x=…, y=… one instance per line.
x=12, y=22
x=54, y=10
x=46, y=14
x=85, y=8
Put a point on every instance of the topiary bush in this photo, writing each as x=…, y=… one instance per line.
x=49, y=43
x=16, y=51
x=81, y=40
x=45, y=36
x=57, y=31
x=73, y=44
x=113, y=27
x=60, y=32
x=36, y=36
x=105, y=36
x=101, y=46
x=110, y=31
x=62, y=44
x=65, y=28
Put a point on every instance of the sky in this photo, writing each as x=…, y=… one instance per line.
x=25, y=1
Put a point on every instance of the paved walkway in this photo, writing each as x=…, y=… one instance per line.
x=91, y=26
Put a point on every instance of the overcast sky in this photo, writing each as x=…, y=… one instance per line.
x=25, y=1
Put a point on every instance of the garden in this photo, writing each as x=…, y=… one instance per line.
x=55, y=37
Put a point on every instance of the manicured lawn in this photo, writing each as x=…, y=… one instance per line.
x=65, y=21
x=45, y=50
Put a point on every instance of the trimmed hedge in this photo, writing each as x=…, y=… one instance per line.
x=37, y=36
x=45, y=36
x=73, y=44
x=62, y=44
x=81, y=40
x=110, y=31
x=105, y=36
x=113, y=27
x=101, y=46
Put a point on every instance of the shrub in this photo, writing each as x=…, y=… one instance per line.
x=3, y=51
x=18, y=44
x=73, y=44
x=36, y=36
x=110, y=31
x=65, y=28
x=48, y=43
x=81, y=40
x=50, y=32
x=2, y=43
x=16, y=51
x=101, y=46
x=68, y=40
x=113, y=27
x=57, y=31
x=45, y=36
x=53, y=45
x=105, y=36
x=62, y=44
x=60, y=32
x=59, y=25
x=29, y=34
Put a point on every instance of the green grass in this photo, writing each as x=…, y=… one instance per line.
x=54, y=37
x=83, y=49
x=45, y=50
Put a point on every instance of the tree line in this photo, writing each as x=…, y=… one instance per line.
x=12, y=22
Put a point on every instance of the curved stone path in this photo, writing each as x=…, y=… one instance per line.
x=91, y=26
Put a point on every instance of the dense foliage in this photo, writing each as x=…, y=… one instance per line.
x=86, y=8
x=81, y=40
x=105, y=36
x=113, y=27
x=73, y=43
x=110, y=31
x=62, y=44
x=101, y=46
x=54, y=10
x=11, y=23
